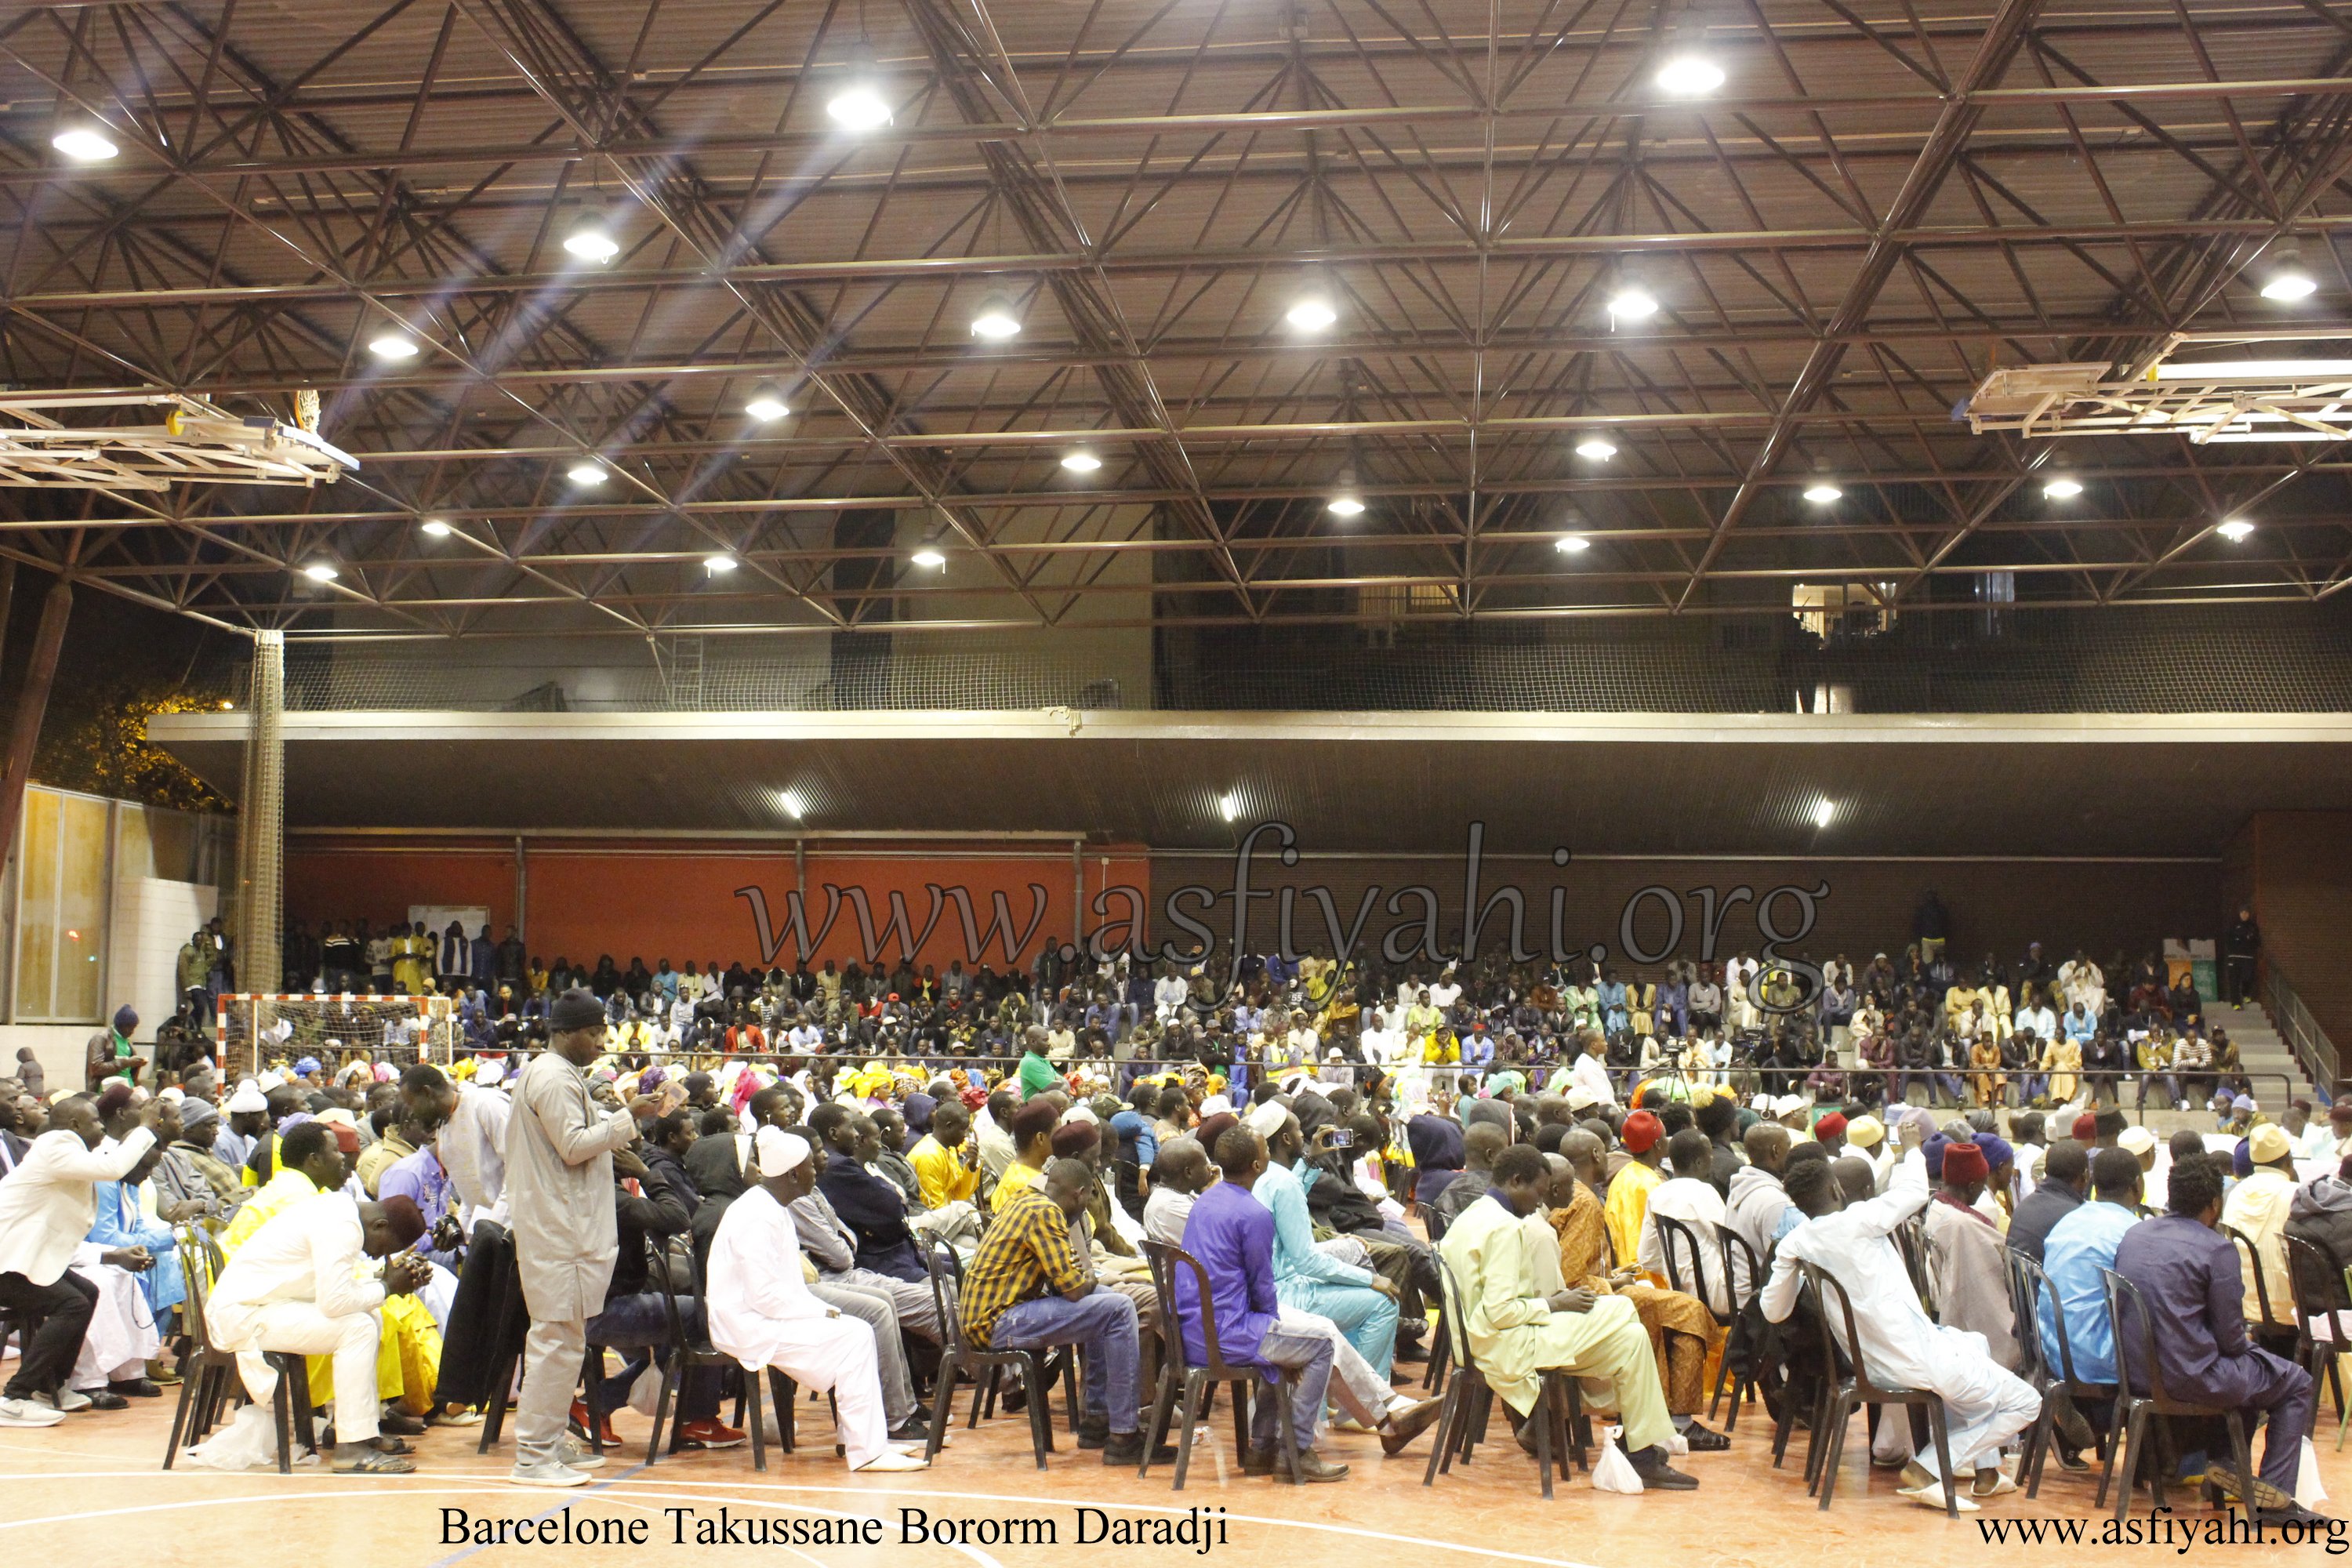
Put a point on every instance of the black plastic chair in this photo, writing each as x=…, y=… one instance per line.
x=1469, y=1399
x=208, y=1375
x=2133, y=1408
x=1743, y=1384
x=984, y=1366
x=2029, y=1288
x=1242, y=1382
x=2265, y=1331
x=513, y=1321
x=690, y=1350
x=1854, y=1388
x=2317, y=1275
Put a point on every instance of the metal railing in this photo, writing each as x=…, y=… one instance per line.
x=2313, y=1051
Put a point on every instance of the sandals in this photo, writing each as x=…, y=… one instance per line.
x=375, y=1462
x=384, y=1445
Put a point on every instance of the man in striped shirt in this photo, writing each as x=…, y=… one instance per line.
x=1026, y=1289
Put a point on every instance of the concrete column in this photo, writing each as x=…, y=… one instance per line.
x=261, y=824
x=32, y=704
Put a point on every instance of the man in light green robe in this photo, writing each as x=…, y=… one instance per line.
x=1518, y=1329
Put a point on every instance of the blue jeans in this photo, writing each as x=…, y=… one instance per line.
x=641, y=1322
x=1104, y=1322
x=1309, y=1355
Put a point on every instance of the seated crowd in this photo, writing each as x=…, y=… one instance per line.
x=849, y=1208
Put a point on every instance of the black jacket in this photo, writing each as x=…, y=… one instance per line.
x=657, y=1213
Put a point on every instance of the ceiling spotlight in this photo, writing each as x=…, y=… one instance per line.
x=1689, y=75
x=1345, y=501
x=85, y=144
x=1596, y=449
x=2237, y=528
x=590, y=240
x=2062, y=489
x=2287, y=279
x=321, y=572
x=435, y=528
x=929, y=559
x=1824, y=812
x=392, y=345
x=859, y=103
x=789, y=802
x=587, y=471
x=1229, y=807
x=1632, y=302
x=227, y=706
x=1571, y=544
x=1081, y=462
x=1821, y=493
x=719, y=564
x=766, y=406
x=996, y=320
x=1314, y=310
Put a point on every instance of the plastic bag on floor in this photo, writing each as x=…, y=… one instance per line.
x=249, y=1440
x=1611, y=1470
x=647, y=1390
x=2308, y=1491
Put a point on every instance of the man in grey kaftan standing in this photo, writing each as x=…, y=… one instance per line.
x=559, y=1190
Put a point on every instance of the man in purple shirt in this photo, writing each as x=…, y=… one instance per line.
x=1231, y=1235
x=2188, y=1273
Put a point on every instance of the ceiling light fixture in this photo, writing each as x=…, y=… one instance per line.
x=767, y=405
x=392, y=345
x=2062, y=489
x=860, y=105
x=591, y=240
x=1314, y=310
x=1824, y=812
x=1821, y=493
x=1345, y=501
x=85, y=144
x=1632, y=300
x=1081, y=462
x=1229, y=805
x=720, y=563
x=790, y=804
x=437, y=528
x=996, y=320
x=929, y=558
x=587, y=471
x=321, y=572
x=1596, y=449
x=2234, y=529
x=2285, y=279
x=1685, y=67
x=1571, y=544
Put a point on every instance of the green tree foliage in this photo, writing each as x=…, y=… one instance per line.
x=98, y=745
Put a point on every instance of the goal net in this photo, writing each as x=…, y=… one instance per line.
x=259, y=1033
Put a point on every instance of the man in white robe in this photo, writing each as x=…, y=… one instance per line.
x=298, y=1285
x=763, y=1313
x=1901, y=1345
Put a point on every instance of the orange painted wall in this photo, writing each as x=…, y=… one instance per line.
x=655, y=901
x=379, y=883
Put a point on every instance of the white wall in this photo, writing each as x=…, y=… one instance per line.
x=152, y=917
x=57, y=1046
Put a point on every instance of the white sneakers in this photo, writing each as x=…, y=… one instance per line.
x=28, y=1412
x=65, y=1401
